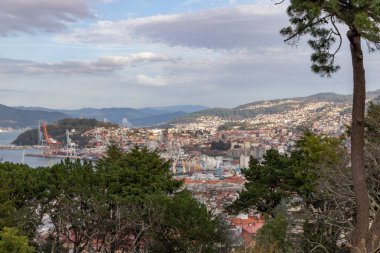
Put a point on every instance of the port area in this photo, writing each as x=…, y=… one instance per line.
x=43, y=152
x=63, y=154
x=13, y=147
x=58, y=156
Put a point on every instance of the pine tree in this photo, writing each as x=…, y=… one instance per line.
x=322, y=20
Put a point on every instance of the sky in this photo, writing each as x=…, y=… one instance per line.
x=141, y=53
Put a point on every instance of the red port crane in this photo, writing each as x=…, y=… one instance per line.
x=45, y=133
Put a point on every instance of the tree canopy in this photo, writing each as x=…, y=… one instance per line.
x=127, y=201
x=279, y=176
x=12, y=242
x=322, y=20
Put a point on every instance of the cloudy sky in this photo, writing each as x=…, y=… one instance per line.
x=139, y=53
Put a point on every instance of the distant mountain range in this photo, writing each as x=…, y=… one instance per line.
x=138, y=117
x=252, y=110
x=19, y=117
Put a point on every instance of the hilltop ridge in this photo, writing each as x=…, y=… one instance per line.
x=20, y=118
x=282, y=106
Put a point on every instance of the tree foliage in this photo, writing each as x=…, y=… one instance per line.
x=19, y=189
x=12, y=242
x=126, y=202
x=272, y=237
x=268, y=183
x=220, y=145
x=321, y=20
x=279, y=176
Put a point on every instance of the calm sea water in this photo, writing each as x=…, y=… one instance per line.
x=7, y=137
x=15, y=156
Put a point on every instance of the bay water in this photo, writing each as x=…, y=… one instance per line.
x=16, y=155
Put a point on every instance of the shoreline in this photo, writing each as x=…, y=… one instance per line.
x=14, y=147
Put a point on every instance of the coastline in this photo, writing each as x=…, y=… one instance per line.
x=17, y=154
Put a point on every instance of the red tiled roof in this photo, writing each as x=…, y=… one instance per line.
x=250, y=225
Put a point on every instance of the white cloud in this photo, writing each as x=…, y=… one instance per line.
x=132, y=60
x=244, y=26
x=40, y=15
x=102, y=65
x=152, y=81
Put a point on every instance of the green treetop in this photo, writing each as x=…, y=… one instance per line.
x=12, y=242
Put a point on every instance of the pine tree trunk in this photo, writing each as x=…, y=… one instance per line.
x=357, y=145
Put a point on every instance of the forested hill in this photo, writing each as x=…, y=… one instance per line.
x=58, y=131
x=251, y=110
x=19, y=118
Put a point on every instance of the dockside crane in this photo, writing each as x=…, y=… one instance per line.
x=40, y=134
x=45, y=133
x=51, y=144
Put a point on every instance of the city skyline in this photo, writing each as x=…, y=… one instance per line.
x=138, y=53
